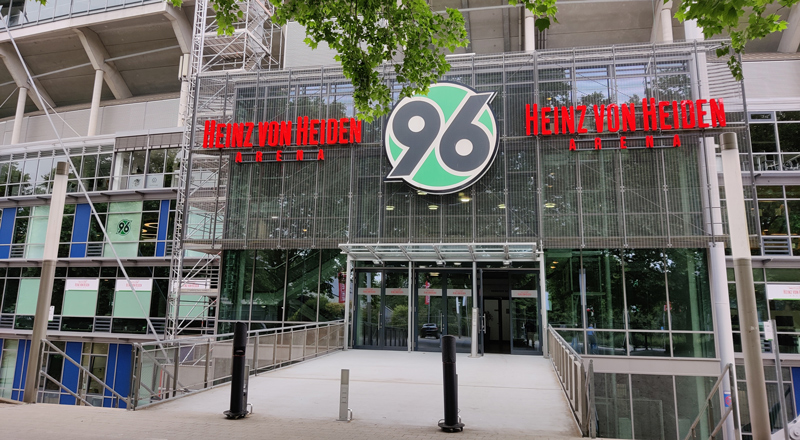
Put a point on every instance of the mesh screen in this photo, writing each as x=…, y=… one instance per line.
x=536, y=191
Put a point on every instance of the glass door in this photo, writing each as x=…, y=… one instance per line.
x=368, y=309
x=382, y=309
x=430, y=317
x=459, y=310
x=526, y=332
x=394, y=310
x=444, y=307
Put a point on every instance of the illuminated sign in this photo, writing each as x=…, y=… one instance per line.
x=313, y=132
x=621, y=118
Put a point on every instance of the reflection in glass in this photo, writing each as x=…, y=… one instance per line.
x=301, y=285
x=459, y=310
x=430, y=313
x=689, y=293
x=694, y=345
x=649, y=344
x=645, y=289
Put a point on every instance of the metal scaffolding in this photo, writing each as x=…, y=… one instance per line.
x=254, y=45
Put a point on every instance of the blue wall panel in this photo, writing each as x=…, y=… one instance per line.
x=80, y=230
x=69, y=376
x=163, y=226
x=20, y=373
x=7, y=231
x=111, y=368
x=122, y=380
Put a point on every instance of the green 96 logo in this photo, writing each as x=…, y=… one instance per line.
x=442, y=142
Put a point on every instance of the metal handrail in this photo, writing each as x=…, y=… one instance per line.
x=733, y=408
x=576, y=381
x=164, y=370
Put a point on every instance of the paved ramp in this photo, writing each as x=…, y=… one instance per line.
x=498, y=394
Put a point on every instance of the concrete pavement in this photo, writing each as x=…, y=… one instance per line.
x=392, y=395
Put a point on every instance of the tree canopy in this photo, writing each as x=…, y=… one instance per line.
x=410, y=38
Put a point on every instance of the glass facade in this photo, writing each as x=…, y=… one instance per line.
x=644, y=302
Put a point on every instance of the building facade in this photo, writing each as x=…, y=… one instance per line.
x=597, y=208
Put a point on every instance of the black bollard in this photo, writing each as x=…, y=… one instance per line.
x=451, y=422
x=238, y=395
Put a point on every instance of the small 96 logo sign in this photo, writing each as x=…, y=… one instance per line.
x=443, y=142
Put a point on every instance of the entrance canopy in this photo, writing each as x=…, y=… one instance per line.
x=441, y=252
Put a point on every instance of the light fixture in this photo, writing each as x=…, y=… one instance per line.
x=549, y=205
x=274, y=217
x=552, y=267
x=457, y=263
x=506, y=262
x=440, y=262
x=433, y=207
x=434, y=274
x=465, y=199
x=305, y=230
x=502, y=206
x=376, y=262
x=421, y=193
x=389, y=208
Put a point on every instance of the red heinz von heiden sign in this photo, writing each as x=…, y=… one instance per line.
x=316, y=132
x=614, y=118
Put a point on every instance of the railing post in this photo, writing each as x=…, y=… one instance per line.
x=255, y=355
x=138, y=381
x=275, y=348
x=208, y=362
x=176, y=359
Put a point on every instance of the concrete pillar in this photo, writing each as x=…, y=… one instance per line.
x=23, y=96
x=49, y=258
x=718, y=276
x=790, y=37
x=183, y=106
x=745, y=290
x=95, y=111
x=666, y=25
x=530, y=32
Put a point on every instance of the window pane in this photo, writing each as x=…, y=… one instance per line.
x=653, y=407
x=689, y=293
x=762, y=138
x=645, y=290
x=694, y=345
x=773, y=217
x=270, y=274
x=604, y=292
x=691, y=392
x=301, y=285
x=613, y=405
x=789, y=135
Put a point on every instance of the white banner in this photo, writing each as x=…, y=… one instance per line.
x=139, y=285
x=430, y=292
x=459, y=292
x=401, y=291
x=81, y=284
x=783, y=291
x=524, y=293
x=192, y=285
x=369, y=290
